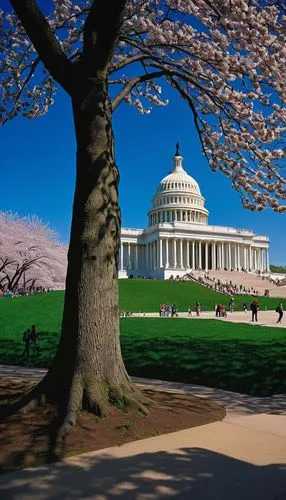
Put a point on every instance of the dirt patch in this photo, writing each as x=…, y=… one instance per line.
x=25, y=438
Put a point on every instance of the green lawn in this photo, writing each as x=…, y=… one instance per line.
x=146, y=296
x=238, y=357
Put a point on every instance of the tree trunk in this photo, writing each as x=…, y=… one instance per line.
x=88, y=369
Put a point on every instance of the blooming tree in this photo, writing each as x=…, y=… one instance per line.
x=30, y=254
x=225, y=58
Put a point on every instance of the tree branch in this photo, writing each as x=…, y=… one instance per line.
x=43, y=39
x=189, y=101
x=101, y=32
x=132, y=83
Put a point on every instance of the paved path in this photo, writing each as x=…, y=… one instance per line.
x=235, y=403
x=265, y=318
x=241, y=458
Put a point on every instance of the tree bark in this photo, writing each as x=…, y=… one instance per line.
x=88, y=370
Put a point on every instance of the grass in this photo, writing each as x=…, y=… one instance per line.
x=238, y=357
x=147, y=295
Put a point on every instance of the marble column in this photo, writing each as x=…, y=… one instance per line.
x=175, y=252
x=167, y=253
x=213, y=256
x=250, y=258
x=238, y=257
x=161, y=254
x=188, y=254
x=229, y=257
x=136, y=256
x=193, y=256
x=181, y=254
x=121, y=256
x=147, y=256
x=129, y=256
x=200, y=255
x=222, y=255
x=255, y=259
x=244, y=257
x=206, y=256
x=235, y=257
x=267, y=261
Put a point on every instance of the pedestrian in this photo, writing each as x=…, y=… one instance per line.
x=244, y=307
x=279, y=310
x=231, y=304
x=217, y=311
x=174, y=310
x=26, y=340
x=189, y=312
x=35, y=339
x=254, y=306
x=198, y=308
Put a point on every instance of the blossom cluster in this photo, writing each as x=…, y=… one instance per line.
x=30, y=253
x=227, y=60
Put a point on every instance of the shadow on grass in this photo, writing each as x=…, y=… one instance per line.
x=183, y=473
x=234, y=365
x=11, y=352
x=239, y=366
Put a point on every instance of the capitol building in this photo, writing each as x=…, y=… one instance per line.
x=179, y=239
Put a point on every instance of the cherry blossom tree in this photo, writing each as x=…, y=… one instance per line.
x=225, y=58
x=30, y=254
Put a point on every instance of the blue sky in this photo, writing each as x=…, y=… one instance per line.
x=38, y=169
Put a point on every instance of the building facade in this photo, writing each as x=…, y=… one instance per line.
x=179, y=239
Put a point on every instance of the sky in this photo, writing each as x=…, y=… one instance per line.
x=38, y=169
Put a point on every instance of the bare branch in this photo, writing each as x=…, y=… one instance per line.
x=44, y=41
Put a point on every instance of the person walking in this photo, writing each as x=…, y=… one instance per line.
x=279, y=310
x=35, y=339
x=198, y=308
x=26, y=340
x=174, y=311
x=231, y=304
x=254, y=306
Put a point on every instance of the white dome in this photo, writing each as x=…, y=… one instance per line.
x=179, y=180
x=178, y=198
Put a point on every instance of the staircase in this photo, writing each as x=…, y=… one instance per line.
x=248, y=280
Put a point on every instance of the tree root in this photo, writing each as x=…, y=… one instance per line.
x=88, y=394
x=30, y=400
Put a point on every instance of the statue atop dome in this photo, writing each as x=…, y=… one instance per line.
x=177, y=149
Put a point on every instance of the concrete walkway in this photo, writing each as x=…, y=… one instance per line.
x=241, y=458
x=265, y=318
